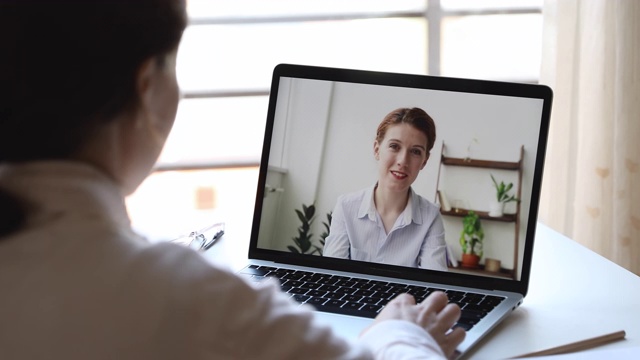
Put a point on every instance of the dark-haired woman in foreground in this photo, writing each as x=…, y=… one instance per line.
x=88, y=95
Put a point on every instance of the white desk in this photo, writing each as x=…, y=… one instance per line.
x=574, y=294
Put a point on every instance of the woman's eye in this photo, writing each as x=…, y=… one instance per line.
x=394, y=146
x=416, y=152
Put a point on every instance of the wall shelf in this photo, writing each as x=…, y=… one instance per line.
x=503, y=273
x=484, y=215
x=487, y=164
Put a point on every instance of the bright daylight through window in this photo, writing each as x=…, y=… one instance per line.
x=209, y=167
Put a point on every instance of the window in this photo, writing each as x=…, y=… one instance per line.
x=209, y=167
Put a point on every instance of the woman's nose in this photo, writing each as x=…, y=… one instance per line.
x=403, y=158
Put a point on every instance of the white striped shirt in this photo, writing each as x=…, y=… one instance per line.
x=416, y=239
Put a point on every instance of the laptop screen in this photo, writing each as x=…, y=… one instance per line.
x=337, y=190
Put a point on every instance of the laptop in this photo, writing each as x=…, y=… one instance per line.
x=319, y=144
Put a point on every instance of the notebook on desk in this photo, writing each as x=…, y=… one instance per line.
x=319, y=144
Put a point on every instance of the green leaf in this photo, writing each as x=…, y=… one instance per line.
x=309, y=211
x=301, y=216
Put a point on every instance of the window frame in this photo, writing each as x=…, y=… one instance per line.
x=433, y=14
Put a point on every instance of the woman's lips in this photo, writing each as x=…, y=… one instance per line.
x=398, y=175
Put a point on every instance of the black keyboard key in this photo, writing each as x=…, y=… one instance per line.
x=346, y=290
x=346, y=310
x=296, y=290
x=279, y=277
x=466, y=327
x=414, y=289
x=310, y=278
x=398, y=288
x=384, y=295
x=370, y=300
x=456, y=293
x=419, y=298
x=294, y=276
x=478, y=308
x=340, y=278
x=421, y=292
x=252, y=270
x=333, y=295
x=372, y=308
x=491, y=300
x=281, y=271
x=362, y=284
x=355, y=298
x=328, y=288
x=301, y=298
x=294, y=283
x=316, y=293
x=317, y=301
x=364, y=292
x=310, y=285
x=353, y=305
x=468, y=323
x=393, y=295
x=472, y=299
x=382, y=288
x=347, y=283
x=327, y=281
x=335, y=303
x=471, y=315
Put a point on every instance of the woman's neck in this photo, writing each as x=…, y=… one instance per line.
x=390, y=202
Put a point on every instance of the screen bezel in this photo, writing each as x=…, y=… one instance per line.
x=533, y=91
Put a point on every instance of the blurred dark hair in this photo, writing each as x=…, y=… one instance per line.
x=69, y=66
x=415, y=117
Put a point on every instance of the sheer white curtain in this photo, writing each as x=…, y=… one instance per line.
x=591, y=187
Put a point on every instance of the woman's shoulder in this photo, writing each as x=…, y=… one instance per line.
x=426, y=207
x=175, y=265
x=355, y=196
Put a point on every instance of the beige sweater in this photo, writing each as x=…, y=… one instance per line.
x=78, y=283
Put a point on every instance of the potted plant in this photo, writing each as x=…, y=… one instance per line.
x=471, y=240
x=496, y=207
x=304, y=240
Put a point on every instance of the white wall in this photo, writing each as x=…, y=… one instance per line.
x=301, y=121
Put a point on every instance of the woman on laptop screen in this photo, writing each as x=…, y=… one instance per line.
x=388, y=222
x=88, y=96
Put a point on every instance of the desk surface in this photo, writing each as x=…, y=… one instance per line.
x=574, y=294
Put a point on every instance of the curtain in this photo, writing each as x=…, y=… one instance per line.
x=591, y=184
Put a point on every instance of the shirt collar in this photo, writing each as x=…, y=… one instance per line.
x=410, y=214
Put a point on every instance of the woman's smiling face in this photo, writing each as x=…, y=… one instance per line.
x=401, y=155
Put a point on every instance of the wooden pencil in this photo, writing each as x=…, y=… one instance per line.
x=578, y=345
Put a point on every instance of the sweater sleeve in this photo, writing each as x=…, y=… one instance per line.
x=260, y=322
x=220, y=315
x=408, y=341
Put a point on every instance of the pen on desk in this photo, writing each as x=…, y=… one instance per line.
x=578, y=345
x=213, y=240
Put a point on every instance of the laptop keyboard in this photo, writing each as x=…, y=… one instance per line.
x=362, y=297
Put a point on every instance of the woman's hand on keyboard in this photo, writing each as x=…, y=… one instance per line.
x=434, y=314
